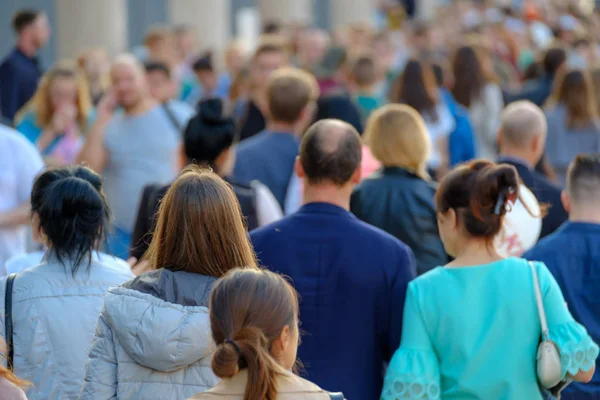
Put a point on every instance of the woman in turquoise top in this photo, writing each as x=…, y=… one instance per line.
x=471, y=329
x=59, y=113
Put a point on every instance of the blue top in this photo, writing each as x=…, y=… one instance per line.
x=473, y=333
x=461, y=145
x=19, y=76
x=572, y=254
x=268, y=157
x=352, y=279
x=367, y=104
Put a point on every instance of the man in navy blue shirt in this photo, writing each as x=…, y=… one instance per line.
x=268, y=157
x=20, y=70
x=351, y=277
x=572, y=254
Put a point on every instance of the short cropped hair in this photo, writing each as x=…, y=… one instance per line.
x=364, y=70
x=270, y=44
x=520, y=122
x=155, y=34
x=289, y=91
x=583, y=178
x=331, y=152
x=23, y=18
x=158, y=67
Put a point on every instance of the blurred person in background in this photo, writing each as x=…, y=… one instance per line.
x=269, y=156
x=59, y=115
x=312, y=47
x=160, y=44
x=573, y=124
x=163, y=88
x=417, y=88
x=573, y=257
x=134, y=142
x=254, y=324
x=442, y=315
x=208, y=141
x=186, y=46
x=399, y=198
x=20, y=70
x=521, y=139
x=250, y=112
x=211, y=83
x=324, y=249
x=153, y=339
x=95, y=66
x=71, y=215
x=362, y=83
x=20, y=162
x=475, y=89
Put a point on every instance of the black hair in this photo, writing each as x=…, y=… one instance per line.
x=583, y=177
x=72, y=211
x=208, y=133
x=320, y=162
x=23, y=18
x=204, y=63
x=155, y=66
x=438, y=72
x=271, y=28
x=473, y=190
x=339, y=106
x=553, y=59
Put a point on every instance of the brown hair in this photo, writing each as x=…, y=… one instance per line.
x=270, y=44
x=417, y=88
x=398, y=137
x=288, y=92
x=473, y=191
x=574, y=89
x=248, y=310
x=469, y=76
x=364, y=70
x=156, y=34
x=200, y=227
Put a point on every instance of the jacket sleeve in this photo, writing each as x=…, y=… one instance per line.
x=101, y=370
x=9, y=91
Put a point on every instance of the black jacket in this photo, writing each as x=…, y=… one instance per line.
x=402, y=204
x=153, y=194
x=546, y=193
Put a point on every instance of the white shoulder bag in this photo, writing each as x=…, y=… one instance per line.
x=549, y=367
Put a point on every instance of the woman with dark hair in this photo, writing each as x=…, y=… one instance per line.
x=56, y=304
x=573, y=125
x=471, y=329
x=476, y=89
x=254, y=323
x=153, y=337
x=417, y=88
x=208, y=141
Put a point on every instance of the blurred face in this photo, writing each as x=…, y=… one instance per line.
x=313, y=48
x=235, y=59
x=264, y=65
x=96, y=64
x=41, y=31
x=208, y=80
x=62, y=92
x=128, y=85
x=160, y=85
x=447, y=226
x=162, y=50
x=184, y=42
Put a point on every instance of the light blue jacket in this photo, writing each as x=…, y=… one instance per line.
x=54, y=318
x=153, y=340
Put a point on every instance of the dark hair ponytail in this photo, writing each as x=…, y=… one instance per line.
x=480, y=192
x=244, y=331
x=72, y=212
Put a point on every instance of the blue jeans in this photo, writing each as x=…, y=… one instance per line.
x=118, y=242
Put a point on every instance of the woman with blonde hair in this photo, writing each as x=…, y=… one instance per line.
x=153, y=336
x=58, y=115
x=400, y=197
x=573, y=124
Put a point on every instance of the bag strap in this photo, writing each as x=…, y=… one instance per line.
x=172, y=118
x=539, y=301
x=8, y=326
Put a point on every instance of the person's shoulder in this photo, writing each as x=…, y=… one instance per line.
x=275, y=228
x=10, y=391
x=547, y=247
x=181, y=109
x=252, y=144
x=17, y=142
x=541, y=182
x=293, y=384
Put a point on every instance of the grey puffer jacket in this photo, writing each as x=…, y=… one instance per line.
x=153, y=340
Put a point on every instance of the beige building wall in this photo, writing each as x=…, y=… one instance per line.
x=286, y=11
x=344, y=12
x=82, y=24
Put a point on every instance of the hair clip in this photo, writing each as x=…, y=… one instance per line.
x=500, y=204
x=505, y=201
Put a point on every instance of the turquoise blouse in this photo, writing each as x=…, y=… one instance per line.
x=473, y=332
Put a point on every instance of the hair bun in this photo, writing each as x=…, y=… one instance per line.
x=210, y=111
x=226, y=360
x=493, y=183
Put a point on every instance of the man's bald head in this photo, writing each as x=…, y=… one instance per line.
x=128, y=81
x=330, y=151
x=521, y=122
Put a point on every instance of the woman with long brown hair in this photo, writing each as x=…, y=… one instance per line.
x=417, y=88
x=476, y=89
x=573, y=124
x=154, y=331
x=254, y=323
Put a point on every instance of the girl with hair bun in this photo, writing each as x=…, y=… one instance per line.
x=56, y=304
x=254, y=323
x=471, y=329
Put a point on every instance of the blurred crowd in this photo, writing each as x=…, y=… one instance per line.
x=398, y=177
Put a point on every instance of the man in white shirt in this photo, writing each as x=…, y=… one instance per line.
x=20, y=163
